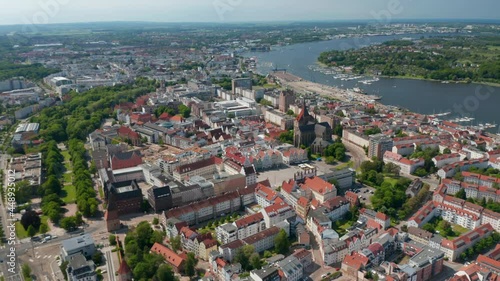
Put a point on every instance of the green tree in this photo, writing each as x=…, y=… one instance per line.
x=265, y=102
x=391, y=168
x=446, y=151
x=184, y=111
x=281, y=242
x=68, y=223
x=175, y=242
x=286, y=137
x=446, y=227
x=31, y=231
x=155, y=221
x=267, y=254
x=23, y=192
x=112, y=240
x=255, y=261
x=44, y=228
x=429, y=227
x=26, y=270
x=164, y=273
x=30, y=218
x=243, y=257
x=461, y=194
x=190, y=266
x=97, y=257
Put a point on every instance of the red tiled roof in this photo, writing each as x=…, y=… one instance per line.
x=382, y=216
x=248, y=220
x=317, y=185
x=302, y=201
x=236, y=244
x=376, y=248
x=265, y=192
x=288, y=186
x=169, y=256
x=198, y=165
x=468, y=237
x=250, y=240
x=355, y=260
x=335, y=202
x=277, y=208
x=209, y=243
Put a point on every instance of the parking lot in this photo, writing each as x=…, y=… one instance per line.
x=364, y=193
x=276, y=176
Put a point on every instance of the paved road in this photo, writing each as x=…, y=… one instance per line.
x=318, y=269
x=357, y=153
x=109, y=262
x=5, y=249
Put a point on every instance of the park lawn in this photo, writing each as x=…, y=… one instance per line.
x=68, y=177
x=344, y=165
x=101, y=192
x=346, y=225
x=21, y=233
x=269, y=86
x=390, y=180
x=70, y=194
x=66, y=156
x=459, y=229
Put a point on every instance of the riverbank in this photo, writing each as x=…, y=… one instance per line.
x=440, y=81
x=300, y=85
x=424, y=97
x=493, y=84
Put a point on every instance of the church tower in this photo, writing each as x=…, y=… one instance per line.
x=302, y=119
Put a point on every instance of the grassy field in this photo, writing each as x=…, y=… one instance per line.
x=22, y=233
x=345, y=165
x=69, y=192
x=458, y=229
x=390, y=180
x=68, y=177
x=66, y=156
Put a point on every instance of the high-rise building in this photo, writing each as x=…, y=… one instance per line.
x=379, y=144
x=245, y=83
x=286, y=98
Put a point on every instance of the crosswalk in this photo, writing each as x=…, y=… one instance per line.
x=37, y=256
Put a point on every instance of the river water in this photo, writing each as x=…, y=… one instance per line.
x=427, y=97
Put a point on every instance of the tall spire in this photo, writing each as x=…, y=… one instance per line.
x=303, y=112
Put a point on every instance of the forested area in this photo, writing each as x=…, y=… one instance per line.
x=144, y=264
x=457, y=59
x=83, y=113
x=71, y=122
x=34, y=71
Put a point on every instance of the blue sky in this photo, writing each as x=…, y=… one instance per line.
x=61, y=11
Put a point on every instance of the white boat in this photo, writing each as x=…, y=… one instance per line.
x=358, y=90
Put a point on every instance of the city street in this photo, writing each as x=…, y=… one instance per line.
x=318, y=269
x=356, y=153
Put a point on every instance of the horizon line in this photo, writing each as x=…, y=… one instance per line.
x=430, y=20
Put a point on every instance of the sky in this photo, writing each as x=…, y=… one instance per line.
x=67, y=11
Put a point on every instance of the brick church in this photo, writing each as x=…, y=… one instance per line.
x=308, y=132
